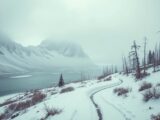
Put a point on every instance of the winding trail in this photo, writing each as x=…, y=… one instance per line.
x=99, y=113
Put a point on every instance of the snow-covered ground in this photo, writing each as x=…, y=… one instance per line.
x=81, y=103
x=132, y=106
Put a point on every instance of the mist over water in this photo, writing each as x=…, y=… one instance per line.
x=16, y=83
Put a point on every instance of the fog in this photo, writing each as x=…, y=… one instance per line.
x=104, y=28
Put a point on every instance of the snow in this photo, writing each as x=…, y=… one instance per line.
x=131, y=107
x=46, y=56
x=66, y=48
x=77, y=104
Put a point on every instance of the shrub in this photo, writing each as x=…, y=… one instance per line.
x=147, y=96
x=145, y=74
x=53, y=93
x=145, y=86
x=100, y=77
x=155, y=117
x=68, y=89
x=51, y=112
x=19, y=106
x=108, y=78
x=38, y=97
x=14, y=116
x=151, y=94
x=121, y=91
x=2, y=116
x=7, y=102
x=158, y=84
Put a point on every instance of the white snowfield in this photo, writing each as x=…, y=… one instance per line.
x=80, y=103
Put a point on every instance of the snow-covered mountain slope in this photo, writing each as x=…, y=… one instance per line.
x=83, y=100
x=47, y=56
x=66, y=48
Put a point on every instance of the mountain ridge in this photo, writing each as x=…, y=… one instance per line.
x=48, y=55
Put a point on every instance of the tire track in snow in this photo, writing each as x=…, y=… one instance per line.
x=115, y=107
x=73, y=115
x=99, y=113
x=97, y=107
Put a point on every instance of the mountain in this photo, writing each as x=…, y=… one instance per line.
x=68, y=48
x=49, y=55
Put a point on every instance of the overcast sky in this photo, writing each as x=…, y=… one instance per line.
x=104, y=28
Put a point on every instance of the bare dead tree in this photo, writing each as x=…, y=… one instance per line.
x=134, y=53
x=159, y=55
x=150, y=57
x=130, y=63
x=115, y=69
x=144, y=62
x=154, y=62
x=125, y=66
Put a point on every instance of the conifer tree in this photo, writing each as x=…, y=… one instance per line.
x=61, y=81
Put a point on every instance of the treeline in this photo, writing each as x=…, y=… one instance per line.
x=108, y=70
x=133, y=63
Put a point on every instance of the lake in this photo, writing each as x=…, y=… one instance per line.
x=14, y=83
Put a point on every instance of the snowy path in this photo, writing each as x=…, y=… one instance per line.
x=98, y=108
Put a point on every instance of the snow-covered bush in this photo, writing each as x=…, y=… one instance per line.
x=147, y=96
x=145, y=86
x=68, y=89
x=108, y=78
x=153, y=93
x=50, y=111
x=121, y=91
x=155, y=117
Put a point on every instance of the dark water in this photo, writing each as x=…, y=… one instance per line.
x=10, y=83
